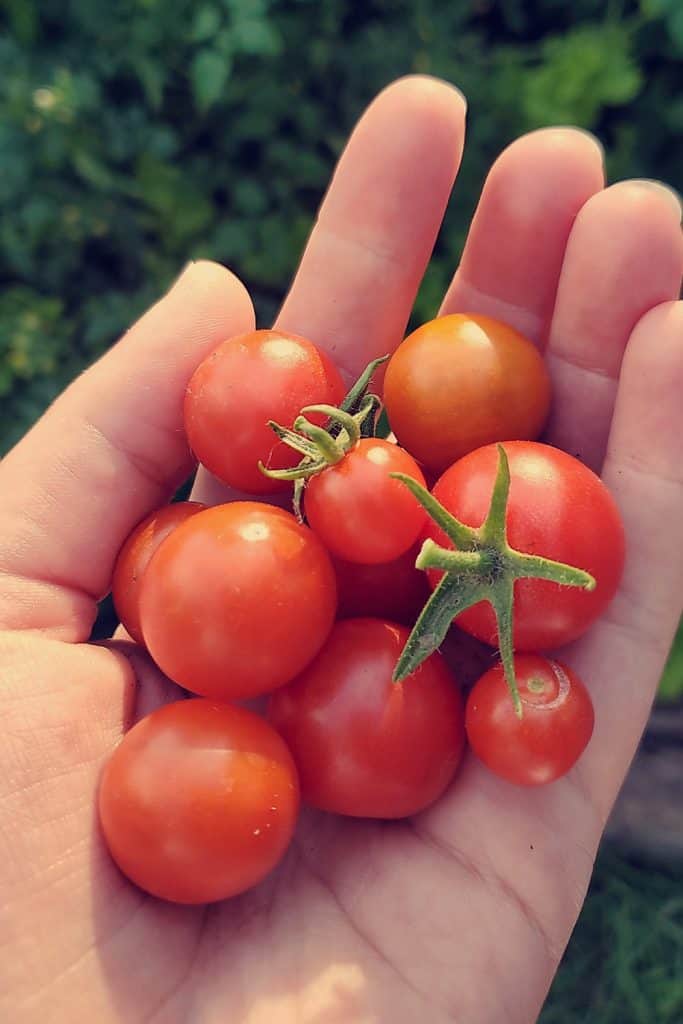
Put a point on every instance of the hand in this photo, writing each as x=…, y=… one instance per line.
x=463, y=912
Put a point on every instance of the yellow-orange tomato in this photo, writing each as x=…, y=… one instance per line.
x=462, y=381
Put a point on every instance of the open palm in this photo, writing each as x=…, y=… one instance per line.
x=463, y=912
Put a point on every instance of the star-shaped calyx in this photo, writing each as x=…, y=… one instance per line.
x=324, y=446
x=481, y=566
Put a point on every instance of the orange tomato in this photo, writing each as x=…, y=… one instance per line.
x=462, y=381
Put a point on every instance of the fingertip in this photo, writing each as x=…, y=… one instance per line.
x=557, y=157
x=640, y=201
x=656, y=343
x=206, y=279
x=417, y=114
x=649, y=416
x=661, y=194
x=421, y=89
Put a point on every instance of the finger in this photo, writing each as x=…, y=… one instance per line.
x=624, y=256
x=621, y=658
x=513, y=255
x=375, y=231
x=110, y=449
x=355, y=286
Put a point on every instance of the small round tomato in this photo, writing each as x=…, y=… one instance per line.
x=395, y=590
x=553, y=732
x=462, y=381
x=237, y=600
x=134, y=558
x=199, y=802
x=244, y=383
x=359, y=512
x=557, y=508
x=364, y=745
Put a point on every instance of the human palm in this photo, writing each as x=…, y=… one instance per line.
x=463, y=911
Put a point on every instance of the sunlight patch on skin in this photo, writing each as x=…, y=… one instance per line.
x=472, y=300
x=336, y=994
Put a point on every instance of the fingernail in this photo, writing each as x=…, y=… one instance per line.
x=672, y=197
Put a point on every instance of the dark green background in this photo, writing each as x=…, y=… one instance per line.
x=138, y=134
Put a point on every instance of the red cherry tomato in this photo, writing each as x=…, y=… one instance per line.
x=244, y=383
x=134, y=558
x=359, y=512
x=553, y=732
x=363, y=745
x=462, y=381
x=395, y=590
x=237, y=600
x=199, y=802
x=557, y=508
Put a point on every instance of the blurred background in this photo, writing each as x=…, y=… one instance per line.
x=139, y=134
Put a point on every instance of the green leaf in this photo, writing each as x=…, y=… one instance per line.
x=206, y=23
x=254, y=35
x=581, y=72
x=152, y=75
x=208, y=73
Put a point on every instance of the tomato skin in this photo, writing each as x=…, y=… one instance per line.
x=199, y=802
x=554, y=730
x=237, y=600
x=394, y=590
x=135, y=555
x=246, y=381
x=557, y=508
x=462, y=381
x=358, y=511
x=363, y=745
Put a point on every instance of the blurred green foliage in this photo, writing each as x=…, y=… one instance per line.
x=624, y=964
x=671, y=685
x=136, y=135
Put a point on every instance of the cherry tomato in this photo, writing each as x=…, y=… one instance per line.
x=244, y=383
x=134, y=558
x=463, y=381
x=199, y=802
x=359, y=512
x=237, y=600
x=553, y=732
x=363, y=745
x=395, y=590
x=557, y=508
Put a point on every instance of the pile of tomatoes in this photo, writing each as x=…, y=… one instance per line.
x=336, y=611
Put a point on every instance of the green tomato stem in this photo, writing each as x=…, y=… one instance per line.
x=326, y=446
x=483, y=567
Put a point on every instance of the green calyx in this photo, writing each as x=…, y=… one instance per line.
x=482, y=568
x=321, y=447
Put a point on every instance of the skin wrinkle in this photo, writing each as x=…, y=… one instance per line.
x=186, y=974
x=382, y=255
x=489, y=879
x=364, y=937
x=97, y=944
x=629, y=463
x=527, y=323
x=576, y=364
